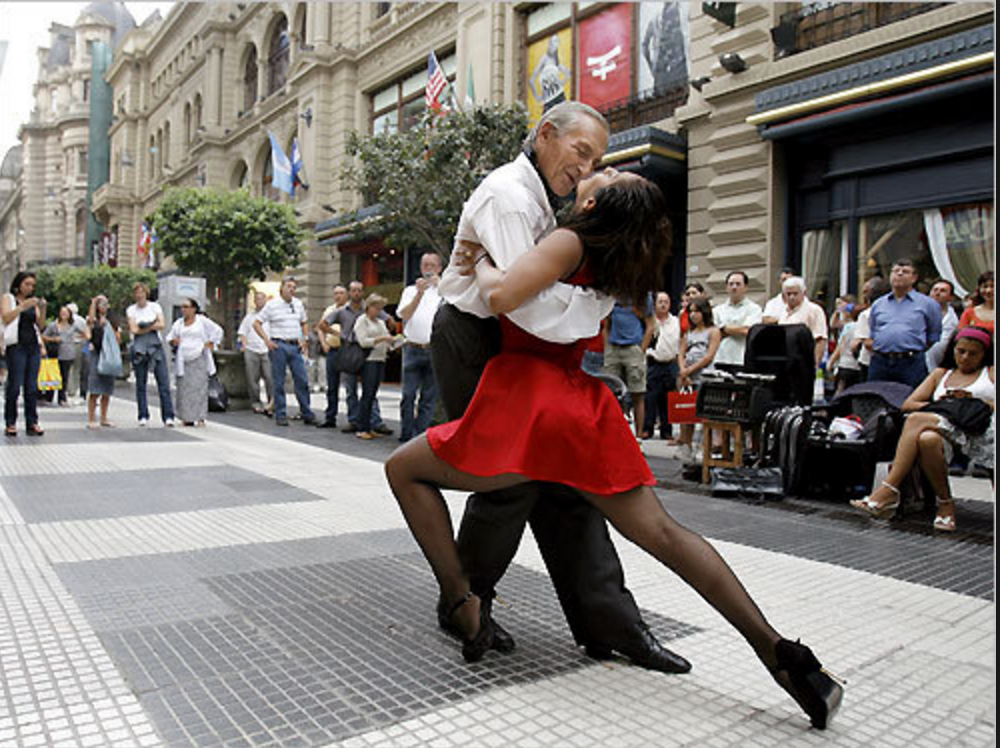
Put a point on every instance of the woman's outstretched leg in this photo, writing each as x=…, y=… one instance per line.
x=640, y=517
x=415, y=474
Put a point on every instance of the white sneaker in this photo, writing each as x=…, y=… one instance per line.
x=169, y=423
x=143, y=423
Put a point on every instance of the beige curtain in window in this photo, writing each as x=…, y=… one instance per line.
x=820, y=265
x=962, y=243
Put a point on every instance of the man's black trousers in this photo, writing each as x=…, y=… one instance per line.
x=571, y=534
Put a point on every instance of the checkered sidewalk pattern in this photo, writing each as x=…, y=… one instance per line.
x=242, y=585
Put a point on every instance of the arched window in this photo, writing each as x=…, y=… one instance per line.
x=81, y=230
x=250, y=80
x=266, y=175
x=199, y=111
x=300, y=23
x=241, y=176
x=188, y=127
x=278, y=56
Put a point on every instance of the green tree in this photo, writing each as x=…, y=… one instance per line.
x=230, y=237
x=62, y=284
x=423, y=176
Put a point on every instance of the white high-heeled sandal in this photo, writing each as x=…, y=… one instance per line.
x=876, y=510
x=942, y=522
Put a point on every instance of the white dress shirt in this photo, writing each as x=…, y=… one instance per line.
x=255, y=343
x=417, y=328
x=668, y=339
x=774, y=307
x=508, y=214
x=732, y=349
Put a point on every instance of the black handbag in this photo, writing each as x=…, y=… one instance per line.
x=969, y=414
x=218, y=398
x=351, y=358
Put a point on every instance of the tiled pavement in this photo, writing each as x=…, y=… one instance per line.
x=245, y=585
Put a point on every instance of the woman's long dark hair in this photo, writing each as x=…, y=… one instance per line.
x=626, y=238
x=704, y=306
x=21, y=277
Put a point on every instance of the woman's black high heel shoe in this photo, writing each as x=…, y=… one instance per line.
x=474, y=649
x=816, y=691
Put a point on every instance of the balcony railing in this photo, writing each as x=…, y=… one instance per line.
x=816, y=24
x=644, y=108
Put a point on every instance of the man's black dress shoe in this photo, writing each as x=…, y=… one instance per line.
x=383, y=430
x=327, y=425
x=645, y=651
x=279, y=421
x=350, y=428
x=309, y=420
x=502, y=640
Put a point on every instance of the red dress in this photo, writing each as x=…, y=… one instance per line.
x=536, y=413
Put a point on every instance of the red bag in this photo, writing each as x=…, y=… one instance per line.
x=681, y=407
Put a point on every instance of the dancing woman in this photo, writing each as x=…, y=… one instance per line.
x=534, y=395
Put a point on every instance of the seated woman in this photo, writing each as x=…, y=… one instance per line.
x=537, y=416
x=930, y=438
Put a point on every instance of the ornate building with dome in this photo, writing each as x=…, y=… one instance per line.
x=43, y=201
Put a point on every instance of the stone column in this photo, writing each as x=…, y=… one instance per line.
x=213, y=88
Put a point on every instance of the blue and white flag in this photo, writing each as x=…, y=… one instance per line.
x=297, y=180
x=281, y=166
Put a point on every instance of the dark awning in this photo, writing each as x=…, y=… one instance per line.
x=923, y=72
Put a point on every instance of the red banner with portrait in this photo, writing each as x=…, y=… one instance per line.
x=604, y=61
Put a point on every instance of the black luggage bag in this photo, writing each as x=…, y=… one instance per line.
x=815, y=463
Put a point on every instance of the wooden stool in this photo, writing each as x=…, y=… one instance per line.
x=732, y=456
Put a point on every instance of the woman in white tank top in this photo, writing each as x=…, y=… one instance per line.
x=930, y=438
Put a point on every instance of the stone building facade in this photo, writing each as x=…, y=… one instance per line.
x=43, y=214
x=783, y=133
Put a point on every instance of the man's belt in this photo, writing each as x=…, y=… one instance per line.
x=286, y=340
x=898, y=354
x=421, y=346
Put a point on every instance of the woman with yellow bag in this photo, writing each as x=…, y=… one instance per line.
x=21, y=316
x=54, y=372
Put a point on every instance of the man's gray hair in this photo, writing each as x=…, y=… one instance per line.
x=564, y=116
x=796, y=281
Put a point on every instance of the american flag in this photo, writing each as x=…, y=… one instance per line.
x=436, y=83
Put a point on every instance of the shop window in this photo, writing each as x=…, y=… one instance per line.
x=961, y=243
x=278, y=57
x=620, y=58
x=952, y=242
x=825, y=264
x=400, y=105
x=250, y=80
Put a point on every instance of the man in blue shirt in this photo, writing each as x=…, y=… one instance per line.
x=624, y=356
x=903, y=324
